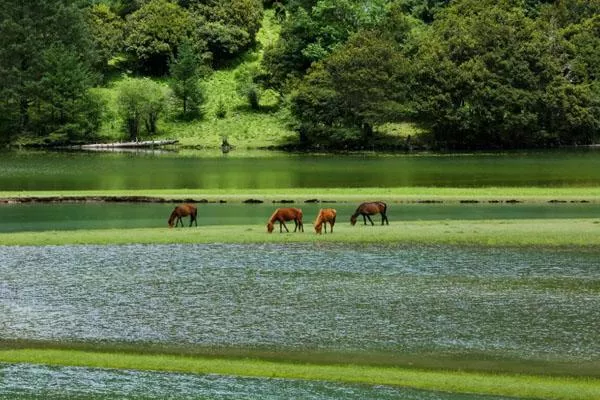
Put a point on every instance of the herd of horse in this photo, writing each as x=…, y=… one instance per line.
x=283, y=215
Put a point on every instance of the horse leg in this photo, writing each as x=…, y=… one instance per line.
x=178, y=221
x=370, y=220
x=384, y=218
x=365, y=218
x=281, y=223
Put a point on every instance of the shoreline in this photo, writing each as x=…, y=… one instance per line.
x=425, y=195
x=519, y=385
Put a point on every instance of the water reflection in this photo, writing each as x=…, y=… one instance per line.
x=31, y=171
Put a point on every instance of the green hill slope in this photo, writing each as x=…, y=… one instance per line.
x=243, y=127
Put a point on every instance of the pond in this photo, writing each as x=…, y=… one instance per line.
x=55, y=171
x=66, y=216
x=32, y=382
x=519, y=304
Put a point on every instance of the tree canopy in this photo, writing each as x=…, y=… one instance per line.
x=469, y=73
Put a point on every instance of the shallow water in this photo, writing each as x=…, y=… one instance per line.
x=25, y=382
x=65, y=216
x=525, y=304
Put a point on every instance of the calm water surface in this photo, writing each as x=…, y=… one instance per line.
x=32, y=382
x=64, y=216
x=127, y=171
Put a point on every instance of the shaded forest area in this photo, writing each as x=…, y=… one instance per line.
x=469, y=73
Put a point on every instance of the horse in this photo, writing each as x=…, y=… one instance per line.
x=183, y=210
x=325, y=215
x=368, y=209
x=286, y=214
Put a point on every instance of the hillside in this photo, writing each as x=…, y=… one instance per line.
x=243, y=127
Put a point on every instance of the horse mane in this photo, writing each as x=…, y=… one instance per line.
x=274, y=216
x=172, y=217
x=319, y=220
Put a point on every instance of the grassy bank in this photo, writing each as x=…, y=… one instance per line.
x=522, y=386
x=539, y=232
x=393, y=195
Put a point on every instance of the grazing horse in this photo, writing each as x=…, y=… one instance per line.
x=325, y=215
x=368, y=209
x=183, y=210
x=286, y=214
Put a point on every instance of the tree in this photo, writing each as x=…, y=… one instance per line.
x=186, y=72
x=356, y=87
x=36, y=40
x=140, y=102
x=107, y=30
x=153, y=34
x=312, y=30
x=487, y=75
x=228, y=27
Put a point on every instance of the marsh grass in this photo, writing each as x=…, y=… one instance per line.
x=522, y=386
x=299, y=195
x=538, y=232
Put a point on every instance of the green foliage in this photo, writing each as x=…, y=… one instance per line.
x=357, y=87
x=107, y=30
x=312, y=31
x=153, y=34
x=227, y=26
x=44, y=68
x=424, y=10
x=247, y=87
x=487, y=75
x=186, y=72
x=141, y=103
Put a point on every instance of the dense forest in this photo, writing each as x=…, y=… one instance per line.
x=470, y=73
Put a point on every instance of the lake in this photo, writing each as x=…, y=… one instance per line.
x=520, y=304
x=56, y=171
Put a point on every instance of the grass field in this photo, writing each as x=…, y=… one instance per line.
x=299, y=195
x=539, y=232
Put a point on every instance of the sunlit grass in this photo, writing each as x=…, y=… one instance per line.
x=522, y=386
x=538, y=232
x=299, y=195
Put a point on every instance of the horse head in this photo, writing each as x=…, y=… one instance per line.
x=270, y=227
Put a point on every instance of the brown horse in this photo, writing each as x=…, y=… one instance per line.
x=183, y=210
x=325, y=215
x=368, y=209
x=286, y=214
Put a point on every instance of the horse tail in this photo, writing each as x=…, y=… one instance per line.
x=384, y=207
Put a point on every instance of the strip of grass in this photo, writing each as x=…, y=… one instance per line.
x=522, y=386
x=398, y=194
x=538, y=232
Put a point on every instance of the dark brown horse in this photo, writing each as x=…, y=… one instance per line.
x=325, y=215
x=183, y=210
x=368, y=209
x=286, y=214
